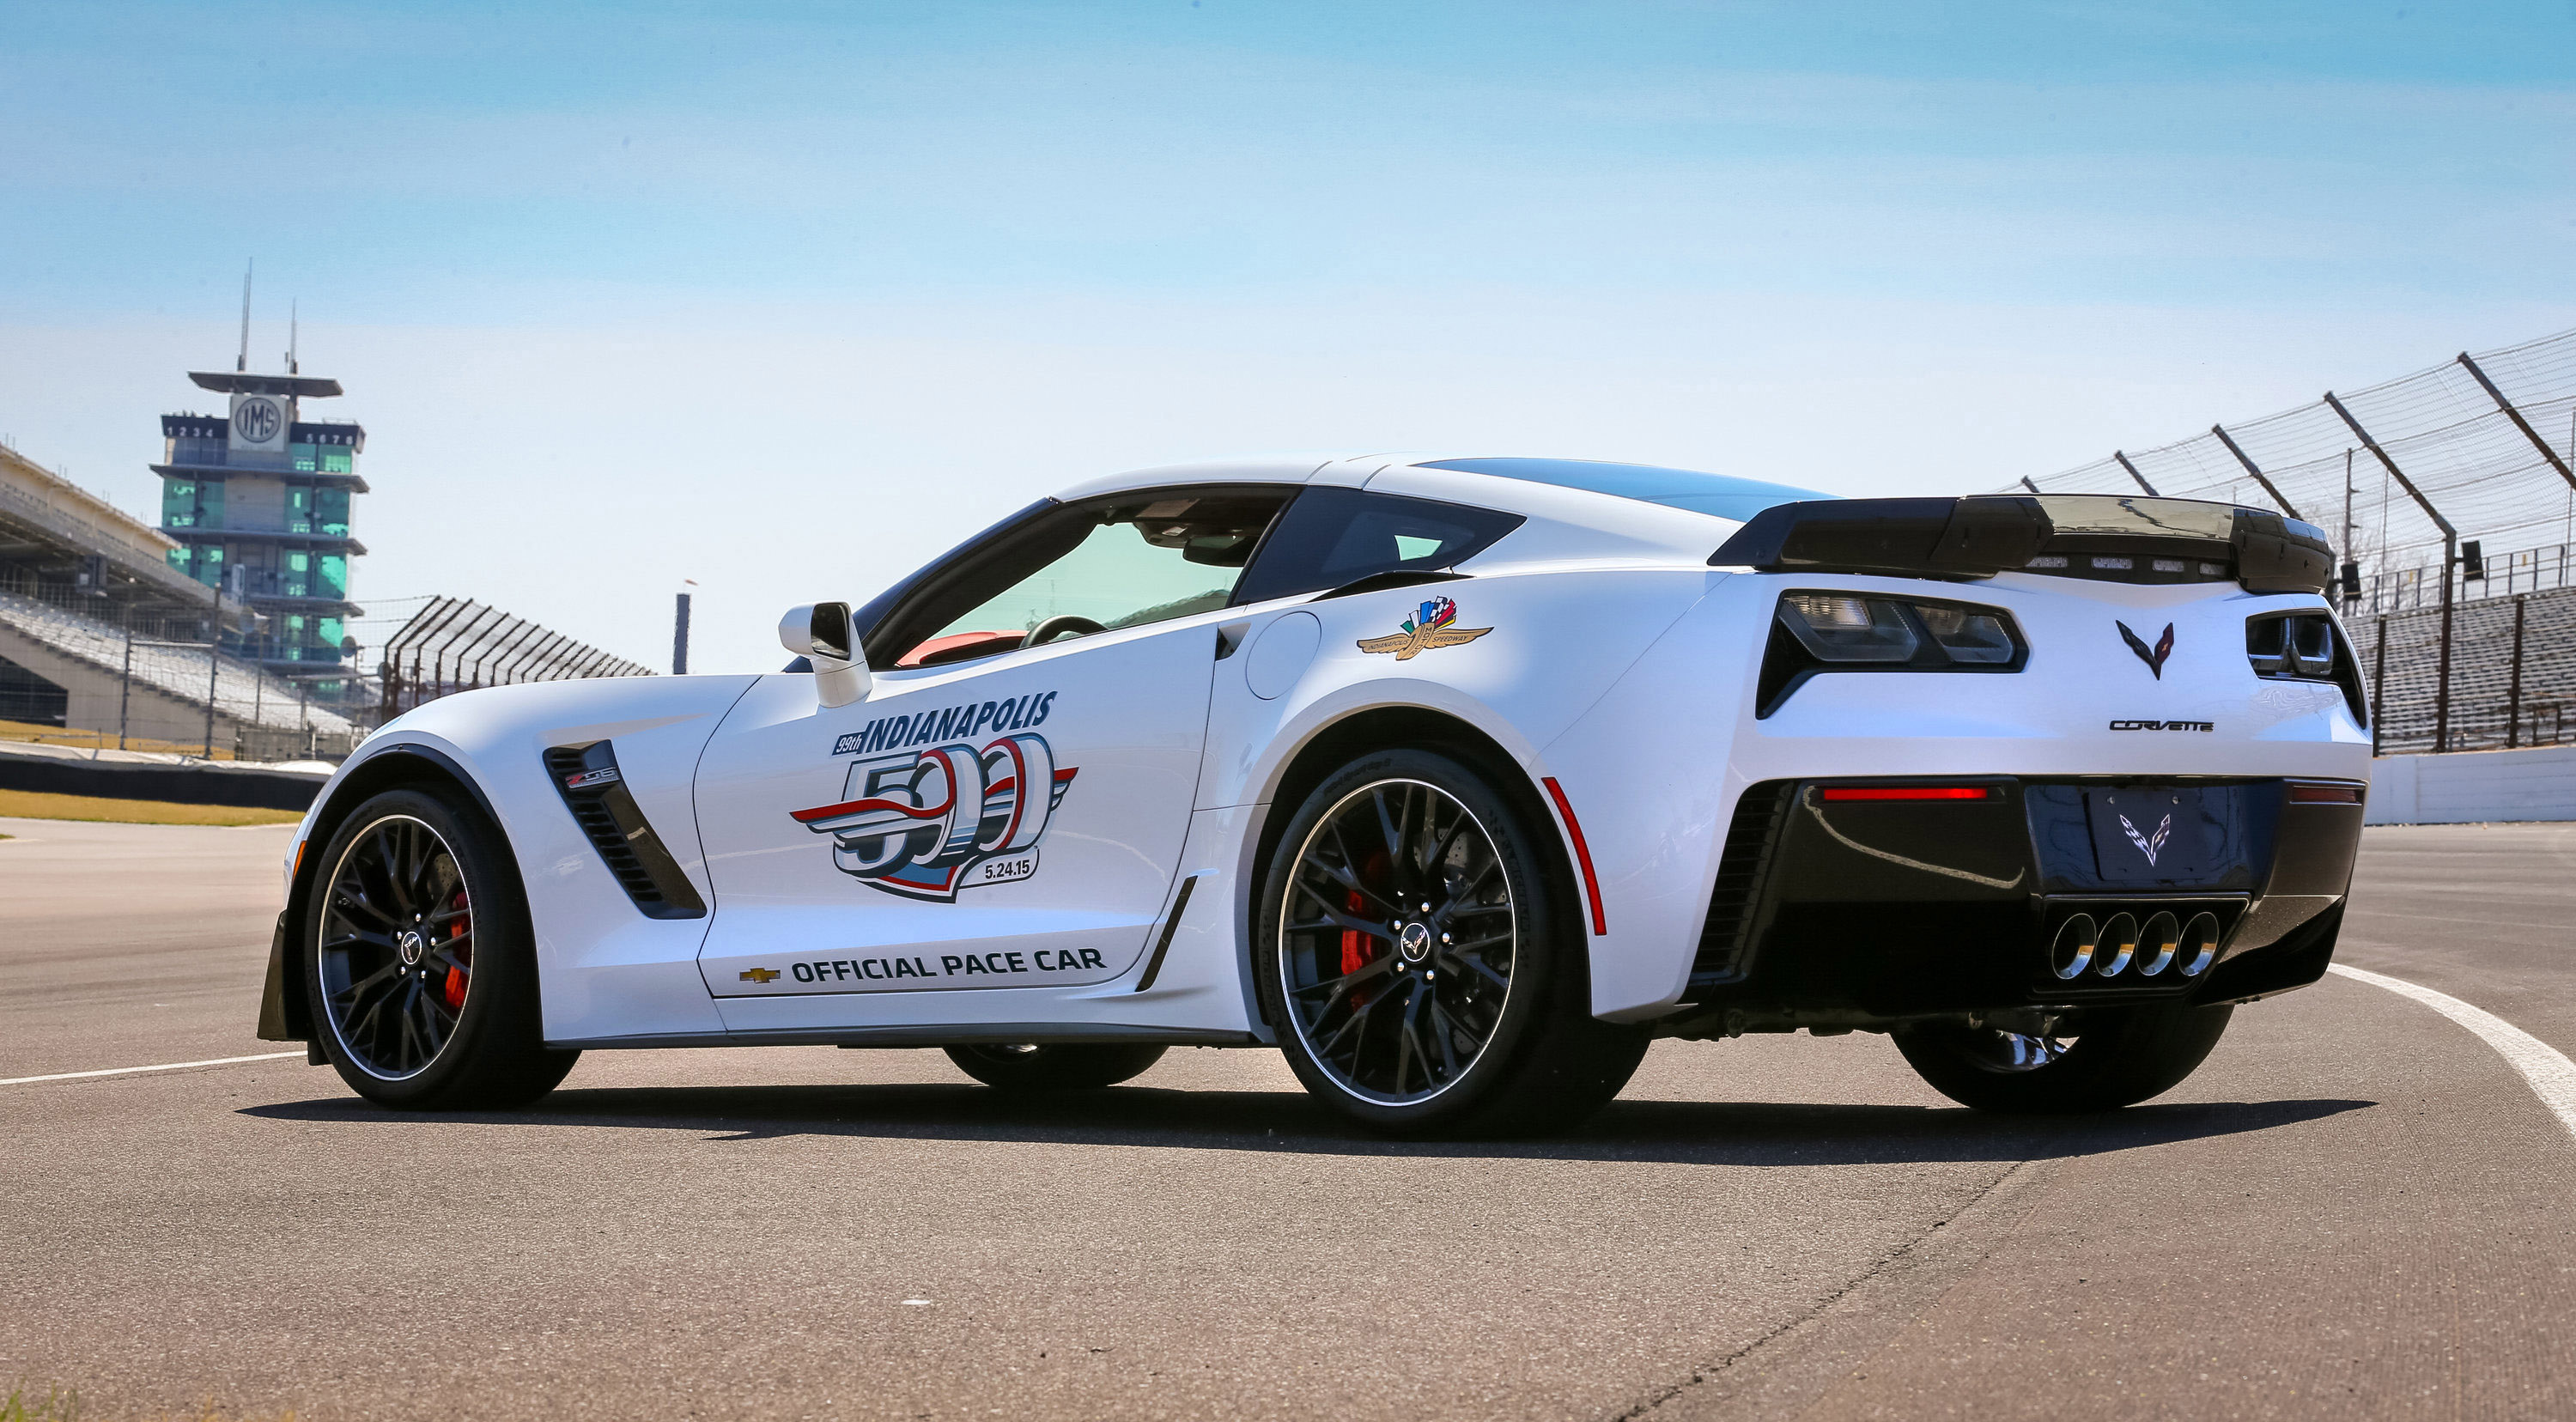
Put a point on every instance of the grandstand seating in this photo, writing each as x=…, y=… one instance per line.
x=242, y=694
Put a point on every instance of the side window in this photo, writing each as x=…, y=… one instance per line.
x=1332, y=536
x=1088, y=568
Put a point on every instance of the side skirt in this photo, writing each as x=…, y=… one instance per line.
x=979, y=1033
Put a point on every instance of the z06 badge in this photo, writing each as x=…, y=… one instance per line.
x=926, y=824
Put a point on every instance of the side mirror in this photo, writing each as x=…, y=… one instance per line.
x=821, y=633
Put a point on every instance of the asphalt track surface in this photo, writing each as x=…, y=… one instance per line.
x=2356, y=1209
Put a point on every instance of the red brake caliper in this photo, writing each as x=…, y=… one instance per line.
x=1355, y=944
x=456, y=976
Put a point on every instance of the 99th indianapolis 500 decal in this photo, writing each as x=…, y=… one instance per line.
x=927, y=823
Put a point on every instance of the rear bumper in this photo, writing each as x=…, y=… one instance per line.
x=1839, y=907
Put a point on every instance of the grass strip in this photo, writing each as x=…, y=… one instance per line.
x=40, y=805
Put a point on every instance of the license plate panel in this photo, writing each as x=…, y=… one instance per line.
x=2170, y=836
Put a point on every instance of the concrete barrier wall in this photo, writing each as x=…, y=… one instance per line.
x=57, y=770
x=2473, y=787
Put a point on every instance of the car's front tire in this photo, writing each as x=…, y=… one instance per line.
x=1420, y=957
x=2106, y=1059
x=419, y=966
x=1059, y=1066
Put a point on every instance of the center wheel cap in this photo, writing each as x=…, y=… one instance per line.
x=408, y=943
x=1414, y=942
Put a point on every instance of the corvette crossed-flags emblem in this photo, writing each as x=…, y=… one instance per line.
x=2148, y=844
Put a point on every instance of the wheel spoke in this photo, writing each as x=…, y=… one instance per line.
x=346, y=898
x=1446, y=1032
x=1342, y=877
x=1334, y=987
x=1475, y=965
x=1389, y=834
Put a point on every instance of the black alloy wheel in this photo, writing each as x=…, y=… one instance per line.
x=396, y=947
x=1400, y=935
x=1418, y=953
x=418, y=966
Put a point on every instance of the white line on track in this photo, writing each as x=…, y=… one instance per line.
x=128, y=1071
x=2552, y=1076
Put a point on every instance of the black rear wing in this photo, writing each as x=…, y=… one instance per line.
x=2103, y=536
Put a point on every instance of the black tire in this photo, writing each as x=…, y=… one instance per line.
x=1060, y=1066
x=2119, y=1057
x=1328, y=973
x=419, y=966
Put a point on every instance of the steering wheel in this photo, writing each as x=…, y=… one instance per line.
x=1060, y=624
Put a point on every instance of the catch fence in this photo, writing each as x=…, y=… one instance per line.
x=455, y=644
x=2413, y=480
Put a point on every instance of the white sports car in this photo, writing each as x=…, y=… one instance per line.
x=1457, y=780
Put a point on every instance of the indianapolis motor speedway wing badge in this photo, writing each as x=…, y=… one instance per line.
x=1430, y=626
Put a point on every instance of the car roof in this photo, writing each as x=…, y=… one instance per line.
x=1695, y=491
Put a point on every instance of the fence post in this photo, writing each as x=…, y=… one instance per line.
x=2513, y=693
x=2134, y=474
x=214, y=664
x=2450, y=554
x=2266, y=481
x=2520, y=423
x=125, y=689
x=2442, y=687
x=2379, y=684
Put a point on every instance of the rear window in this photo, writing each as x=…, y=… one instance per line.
x=1331, y=536
x=1717, y=494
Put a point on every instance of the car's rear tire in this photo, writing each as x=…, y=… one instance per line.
x=419, y=967
x=2117, y=1057
x=1059, y=1066
x=1417, y=948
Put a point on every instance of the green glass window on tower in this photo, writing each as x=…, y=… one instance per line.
x=331, y=578
x=210, y=504
x=298, y=579
x=337, y=459
x=209, y=562
x=303, y=458
x=299, y=509
x=179, y=558
x=179, y=503
x=331, y=510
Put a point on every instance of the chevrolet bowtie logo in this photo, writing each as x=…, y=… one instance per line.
x=760, y=975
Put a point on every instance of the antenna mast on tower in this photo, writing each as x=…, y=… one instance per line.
x=291, y=367
x=242, y=362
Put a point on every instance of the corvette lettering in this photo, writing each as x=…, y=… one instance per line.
x=2164, y=725
x=925, y=824
x=946, y=723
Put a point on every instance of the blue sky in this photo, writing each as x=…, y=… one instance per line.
x=784, y=298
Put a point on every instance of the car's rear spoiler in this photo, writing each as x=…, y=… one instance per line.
x=2102, y=536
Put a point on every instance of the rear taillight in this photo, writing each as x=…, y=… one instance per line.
x=2306, y=646
x=1814, y=632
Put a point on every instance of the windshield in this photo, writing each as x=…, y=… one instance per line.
x=1718, y=494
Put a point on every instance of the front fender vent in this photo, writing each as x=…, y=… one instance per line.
x=1726, y=940
x=587, y=777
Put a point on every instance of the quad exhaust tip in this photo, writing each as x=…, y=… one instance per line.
x=2121, y=945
